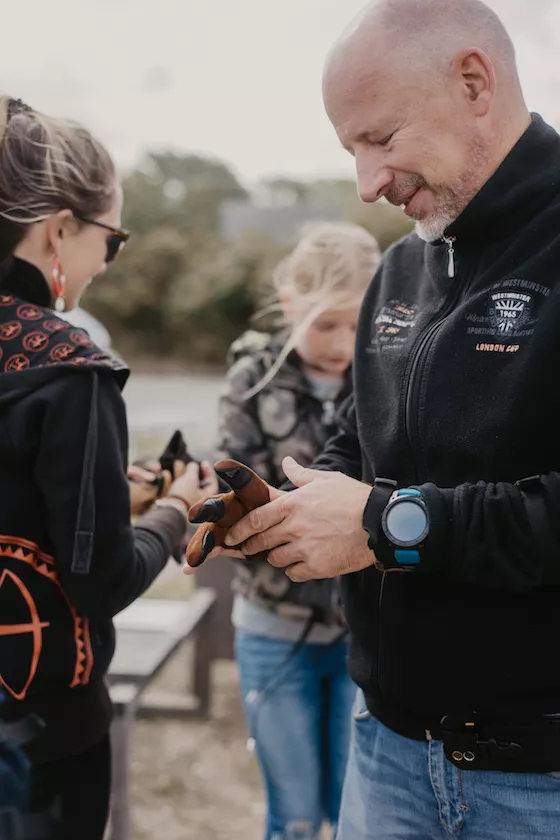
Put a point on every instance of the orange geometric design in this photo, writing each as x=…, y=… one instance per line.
x=27, y=312
x=35, y=626
x=27, y=552
x=6, y=300
x=62, y=352
x=36, y=341
x=10, y=330
x=53, y=326
x=84, y=659
x=17, y=362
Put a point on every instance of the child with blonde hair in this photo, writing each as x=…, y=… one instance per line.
x=281, y=399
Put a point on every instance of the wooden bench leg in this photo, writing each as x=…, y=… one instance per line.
x=204, y=651
x=121, y=730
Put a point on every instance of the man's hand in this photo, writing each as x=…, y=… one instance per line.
x=313, y=532
x=217, y=514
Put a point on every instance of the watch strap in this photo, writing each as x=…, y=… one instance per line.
x=378, y=499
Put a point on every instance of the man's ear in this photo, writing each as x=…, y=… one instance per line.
x=474, y=72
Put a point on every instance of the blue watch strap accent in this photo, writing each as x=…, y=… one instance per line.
x=409, y=491
x=407, y=557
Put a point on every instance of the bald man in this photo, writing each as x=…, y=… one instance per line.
x=439, y=500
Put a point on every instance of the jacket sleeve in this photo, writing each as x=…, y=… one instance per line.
x=124, y=560
x=497, y=535
x=240, y=435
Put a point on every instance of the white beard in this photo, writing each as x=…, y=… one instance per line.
x=434, y=228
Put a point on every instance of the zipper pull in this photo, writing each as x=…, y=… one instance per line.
x=329, y=412
x=449, y=240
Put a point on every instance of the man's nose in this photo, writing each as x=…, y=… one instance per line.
x=374, y=178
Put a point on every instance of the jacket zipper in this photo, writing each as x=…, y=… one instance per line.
x=413, y=368
x=422, y=346
x=450, y=242
x=329, y=412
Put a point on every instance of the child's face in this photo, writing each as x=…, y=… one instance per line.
x=328, y=344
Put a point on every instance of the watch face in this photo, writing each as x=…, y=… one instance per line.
x=406, y=522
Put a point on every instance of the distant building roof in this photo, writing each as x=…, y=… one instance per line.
x=282, y=222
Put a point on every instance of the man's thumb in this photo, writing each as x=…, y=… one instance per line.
x=298, y=475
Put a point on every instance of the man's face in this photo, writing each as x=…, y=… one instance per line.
x=418, y=147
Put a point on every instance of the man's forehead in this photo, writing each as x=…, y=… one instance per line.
x=355, y=98
x=356, y=71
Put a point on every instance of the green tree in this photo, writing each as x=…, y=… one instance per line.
x=181, y=191
x=178, y=290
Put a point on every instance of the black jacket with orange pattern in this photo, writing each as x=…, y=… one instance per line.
x=69, y=557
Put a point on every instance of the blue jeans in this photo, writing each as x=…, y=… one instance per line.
x=398, y=789
x=299, y=715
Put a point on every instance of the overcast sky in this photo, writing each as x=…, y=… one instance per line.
x=238, y=79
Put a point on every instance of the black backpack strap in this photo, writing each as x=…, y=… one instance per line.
x=85, y=525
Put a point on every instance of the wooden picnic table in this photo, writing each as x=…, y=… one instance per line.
x=149, y=632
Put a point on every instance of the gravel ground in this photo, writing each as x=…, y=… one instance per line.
x=191, y=780
x=195, y=780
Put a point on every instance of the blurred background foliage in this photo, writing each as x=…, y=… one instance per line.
x=199, y=262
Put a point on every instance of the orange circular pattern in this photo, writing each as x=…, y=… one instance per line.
x=17, y=362
x=53, y=326
x=36, y=341
x=62, y=352
x=28, y=312
x=80, y=338
x=10, y=330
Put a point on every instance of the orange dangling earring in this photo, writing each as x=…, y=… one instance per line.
x=59, y=285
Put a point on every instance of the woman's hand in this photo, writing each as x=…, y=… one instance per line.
x=190, y=487
x=143, y=491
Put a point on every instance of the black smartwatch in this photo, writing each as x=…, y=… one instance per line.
x=398, y=524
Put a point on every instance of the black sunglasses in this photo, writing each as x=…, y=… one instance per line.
x=115, y=242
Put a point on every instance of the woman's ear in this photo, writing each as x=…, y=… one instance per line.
x=57, y=228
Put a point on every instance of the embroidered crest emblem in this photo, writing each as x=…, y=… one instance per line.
x=509, y=312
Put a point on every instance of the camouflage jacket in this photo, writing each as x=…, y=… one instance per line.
x=285, y=418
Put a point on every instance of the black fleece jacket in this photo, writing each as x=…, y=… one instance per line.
x=456, y=391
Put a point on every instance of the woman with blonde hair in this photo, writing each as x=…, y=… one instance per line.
x=69, y=557
x=281, y=398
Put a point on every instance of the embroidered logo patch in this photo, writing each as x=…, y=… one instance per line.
x=509, y=312
x=506, y=318
x=393, y=326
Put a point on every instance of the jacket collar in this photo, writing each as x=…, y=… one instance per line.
x=26, y=282
x=526, y=181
